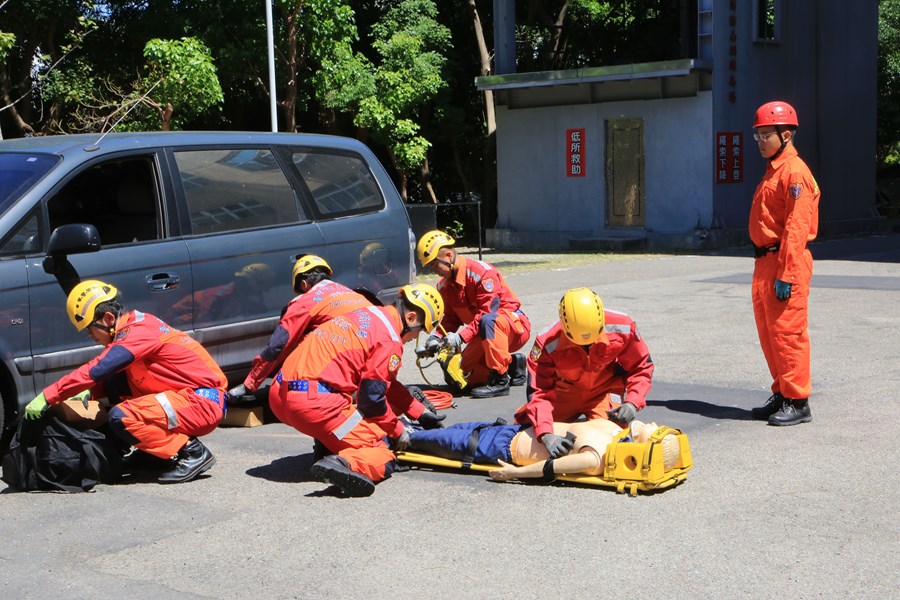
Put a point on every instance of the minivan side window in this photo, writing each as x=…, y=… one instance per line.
x=23, y=239
x=235, y=189
x=119, y=197
x=340, y=184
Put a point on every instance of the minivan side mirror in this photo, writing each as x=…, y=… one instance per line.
x=75, y=238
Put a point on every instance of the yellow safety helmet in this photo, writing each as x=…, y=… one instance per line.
x=426, y=297
x=307, y=263
x=431, y=243
x=582, y=317
x=260, y=274
x=84, y=299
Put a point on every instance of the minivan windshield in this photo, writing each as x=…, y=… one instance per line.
x=18, y=172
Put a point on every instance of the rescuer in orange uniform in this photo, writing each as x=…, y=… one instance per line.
x=577, y=362
x=784, y=216
x=477, y=298
x=340, y=387
x=318, y=301
x=177, y=392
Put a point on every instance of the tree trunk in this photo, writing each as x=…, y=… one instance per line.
x=289, y=104
x=490, y=120
x=425, y=178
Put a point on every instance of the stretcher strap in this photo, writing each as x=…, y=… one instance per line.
x=655, y=440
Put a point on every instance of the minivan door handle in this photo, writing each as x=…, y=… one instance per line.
x=160, y=282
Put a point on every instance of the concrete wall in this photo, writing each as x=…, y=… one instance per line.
x=535, y=195
x=824, y=65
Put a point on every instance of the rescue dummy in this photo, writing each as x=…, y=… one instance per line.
x=521, y=456
x=340, y=387
x=176, y=390
x=482, y=313
x=578, y=361
x=318, y=301
x=784, y=217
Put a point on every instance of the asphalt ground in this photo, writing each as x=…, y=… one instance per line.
x=809, y=511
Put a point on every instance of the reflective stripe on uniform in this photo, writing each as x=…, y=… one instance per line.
x=348, y=425
x=384, y=320
x=171, y=417
x=623, y=329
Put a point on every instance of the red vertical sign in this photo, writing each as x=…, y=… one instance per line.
x=575, y=153
x=729, y=157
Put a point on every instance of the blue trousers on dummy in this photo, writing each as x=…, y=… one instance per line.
x=454, y=441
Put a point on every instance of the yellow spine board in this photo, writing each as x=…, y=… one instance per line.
x=630, y=466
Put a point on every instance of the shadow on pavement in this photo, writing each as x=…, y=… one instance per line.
x=705, y=409
x=290, y=469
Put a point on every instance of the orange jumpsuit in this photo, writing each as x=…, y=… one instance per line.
x=321, y=303
x=340, y=387
x=476, y=295
x=176, y=388
x=569, y=381
x=785, y=211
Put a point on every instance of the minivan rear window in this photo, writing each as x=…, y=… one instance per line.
x=235, y=189
x=340, y=185
x=18, y=172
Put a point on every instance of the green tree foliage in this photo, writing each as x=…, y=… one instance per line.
x=181, y=80
x=888, y=82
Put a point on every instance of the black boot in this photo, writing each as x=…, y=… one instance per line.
x=772, y=406
x=138, y=460
x=793, y=412
x=517, y=370
x=193, y=459
x=497, y=385
x=336, y=471
x=320, y=451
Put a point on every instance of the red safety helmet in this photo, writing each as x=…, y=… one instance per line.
x=775, y=113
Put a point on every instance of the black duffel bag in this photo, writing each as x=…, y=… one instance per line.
x=50, y=454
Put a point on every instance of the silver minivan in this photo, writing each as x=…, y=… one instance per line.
x=199, y=228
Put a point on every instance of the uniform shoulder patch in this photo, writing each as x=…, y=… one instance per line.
x=393, y=363
x=795, y=190
x=488, y=284
x=120, y=335
x=535, y=352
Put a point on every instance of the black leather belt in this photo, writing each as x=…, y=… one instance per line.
x=760, y=251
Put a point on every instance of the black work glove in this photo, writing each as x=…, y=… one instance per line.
x=400, y=442
x=430, y=347
x=419, y=395
x=240, y=393
x=623, y=414
x=430, y=420
x=557, y=445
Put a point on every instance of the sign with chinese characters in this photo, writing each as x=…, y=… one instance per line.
x=575, y=153
x=729, y=157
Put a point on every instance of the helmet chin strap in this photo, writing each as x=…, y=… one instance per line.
x=449, y=265
x=401, y=309
x=109, y=329
x=779, y=130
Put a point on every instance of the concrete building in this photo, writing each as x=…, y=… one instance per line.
x=662, y=154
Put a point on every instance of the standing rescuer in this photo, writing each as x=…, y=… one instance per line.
x=784, y=216
x=177, y=391
x=478, y=300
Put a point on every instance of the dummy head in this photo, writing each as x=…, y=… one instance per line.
x=642, y=432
